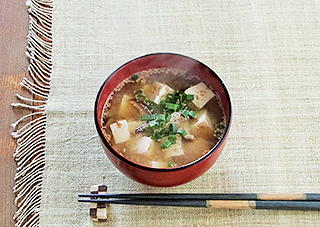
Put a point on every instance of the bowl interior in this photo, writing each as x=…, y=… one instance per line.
x=163, y=60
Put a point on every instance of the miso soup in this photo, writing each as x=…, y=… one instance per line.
x=163, y=118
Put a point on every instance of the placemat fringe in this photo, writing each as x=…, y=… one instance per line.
x=31, y=128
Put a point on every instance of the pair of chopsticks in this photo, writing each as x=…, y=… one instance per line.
x=295, y=201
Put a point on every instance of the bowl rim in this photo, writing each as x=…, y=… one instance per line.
x=201, y=159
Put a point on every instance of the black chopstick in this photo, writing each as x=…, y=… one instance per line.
x=218, y=204
x=214, y=196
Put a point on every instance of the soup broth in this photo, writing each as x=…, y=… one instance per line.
x=163, y=118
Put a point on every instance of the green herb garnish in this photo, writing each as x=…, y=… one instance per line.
x=189, y=97
x=171, y=164
x=192, y=114
x=172, y=106
x=154, y=124
x=185, y=113
x=182, y=132
x=140, y=98
x=148, y=117
x=158, y=126
x=220, y=128
x=166, y=144
x=134, y=77
x=173, y=128
x=161, y=117
x=138, y=92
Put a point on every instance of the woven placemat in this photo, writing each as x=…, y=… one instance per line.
x=266, y=52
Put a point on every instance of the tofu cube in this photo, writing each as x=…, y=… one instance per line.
x=120, y=131
x=143, y=145
x=175, y=149
x=157, y=91
x=203, y=127
x=165, y=89
x=202, y=94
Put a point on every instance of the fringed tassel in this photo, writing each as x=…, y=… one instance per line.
x=31, y=140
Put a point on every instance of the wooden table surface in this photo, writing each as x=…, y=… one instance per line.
x=14, y=23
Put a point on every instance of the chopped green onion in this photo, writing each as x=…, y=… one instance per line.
x=168, y=117
x=172, y=139
x=181, y=99
x=192, y=114
x=166, y=144
x=165, y=132
x=148, y=102
x=169, y=98
x=138, y=92
x=162, y=124
x=134, y=76
x=182, y=132
x=181, y=108
x=162, y=102
x=140, y=97
x=185, y=113
x=161, y=117
x=173, y=128
x=172, y=106
x=149, y=117
x=157, y=135
x=152, y=106
x=153, y=124
x=157, y=127
x=220, y=126
x=176, y=94
x=190, y=97
x=171, y=164
x=218, y=134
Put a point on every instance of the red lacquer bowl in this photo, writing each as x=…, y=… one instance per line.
x=171, y=176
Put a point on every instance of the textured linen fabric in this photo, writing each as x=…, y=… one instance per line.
x=266, y=52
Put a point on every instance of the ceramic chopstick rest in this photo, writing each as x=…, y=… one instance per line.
x=98, y=211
